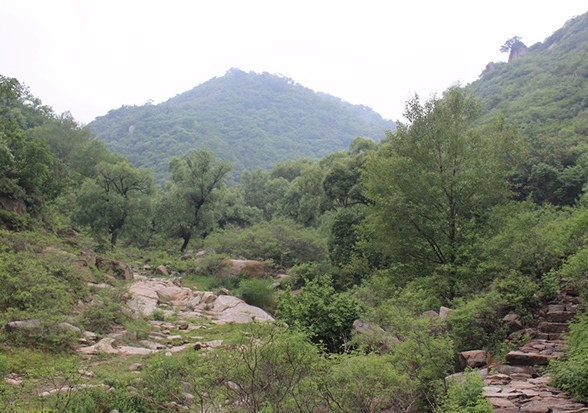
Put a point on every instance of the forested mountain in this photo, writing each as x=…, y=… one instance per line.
x=445, y=239
x=544, y=93
x=252, y=120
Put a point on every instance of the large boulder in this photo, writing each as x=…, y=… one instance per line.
x=118, y=269
x=252, y=268
x=473, y=358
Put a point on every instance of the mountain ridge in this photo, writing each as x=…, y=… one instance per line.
x=253, y=120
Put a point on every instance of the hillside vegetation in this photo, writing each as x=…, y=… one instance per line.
x=251, y=120
x=380, y=262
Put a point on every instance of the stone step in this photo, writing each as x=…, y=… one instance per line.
x=551, y=328
x=519, y=358
x=559, y=316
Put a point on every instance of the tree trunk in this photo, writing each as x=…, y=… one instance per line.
x=186, y=241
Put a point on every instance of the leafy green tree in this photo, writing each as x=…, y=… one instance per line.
x=433, y=181
x=26, y=166
x=191, y=206
x=325, y=315
x=74, y=146
x=510, y=44
x=116, y=200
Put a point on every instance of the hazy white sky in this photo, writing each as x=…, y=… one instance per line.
x=90, y=56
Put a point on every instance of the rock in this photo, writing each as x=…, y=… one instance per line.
x=128, y=350
x=199, y=254
x=186, y=257
x=444, y=312
x=536, y=406
x=136, y=366
x=510, y=370
x=187, y=387
x=430, y=314
x=90, y=259
x=513, y=321
x=208, y=297
x=559, y=316
x=529, y=332
x=528, y=359
x=162, y=270
x=366, y=327
x=103, y=346
x=13, y=205
x=253, y=269
x=119, y=269
x=182, y=325
x=21, y=325
x=548, y=327
x=69, y=327
x=473, y=358
x=234, y=310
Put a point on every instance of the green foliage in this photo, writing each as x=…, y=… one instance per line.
x=571, y=373
x=105, y=312
x=34, y=286
x=368, y=384
x=259, y=293
x=27, y=167
x=115, y=201
x=325, y=315
x=434, y=180
x=274, y=370
x=544, y=94
x=282, y=241
x=190, y=206
x=251, y=120
x=477, y=323
x=464, y=395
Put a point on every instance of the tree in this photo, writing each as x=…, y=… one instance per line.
x=189, y=207
x=434, y=179
x=27, y=172
x=510, y=44
x=115, y=200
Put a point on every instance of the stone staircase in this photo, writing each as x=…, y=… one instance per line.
x=518, y=385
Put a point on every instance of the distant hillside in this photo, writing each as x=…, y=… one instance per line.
x=545, y=91
x=253, y=120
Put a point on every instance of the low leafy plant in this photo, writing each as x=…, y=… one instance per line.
x=464, y=395
x=571, y=373
x=258, y=293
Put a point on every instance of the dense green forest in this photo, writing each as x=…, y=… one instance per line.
x=476, y=203
x=252, y=120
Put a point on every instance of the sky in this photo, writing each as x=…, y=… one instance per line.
x=88, y=56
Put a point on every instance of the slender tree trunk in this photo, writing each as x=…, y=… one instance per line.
x=186, y=241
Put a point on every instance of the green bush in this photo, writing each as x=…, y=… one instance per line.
x=571, y=373
x=325, y=315
x=35, y=285
x=105, y=311
x=477, y=323
x=464, y=395
x=258, y=293
x=281, y=240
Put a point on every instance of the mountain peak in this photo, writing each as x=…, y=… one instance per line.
x=251, y=119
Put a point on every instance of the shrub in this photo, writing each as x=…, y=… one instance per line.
x=572, y=373
x=258, y=293
x=464, y=395
x=105, y=311
x=325, y=315
x=280, y=240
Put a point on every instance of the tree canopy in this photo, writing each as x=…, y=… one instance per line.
x=434, y=178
